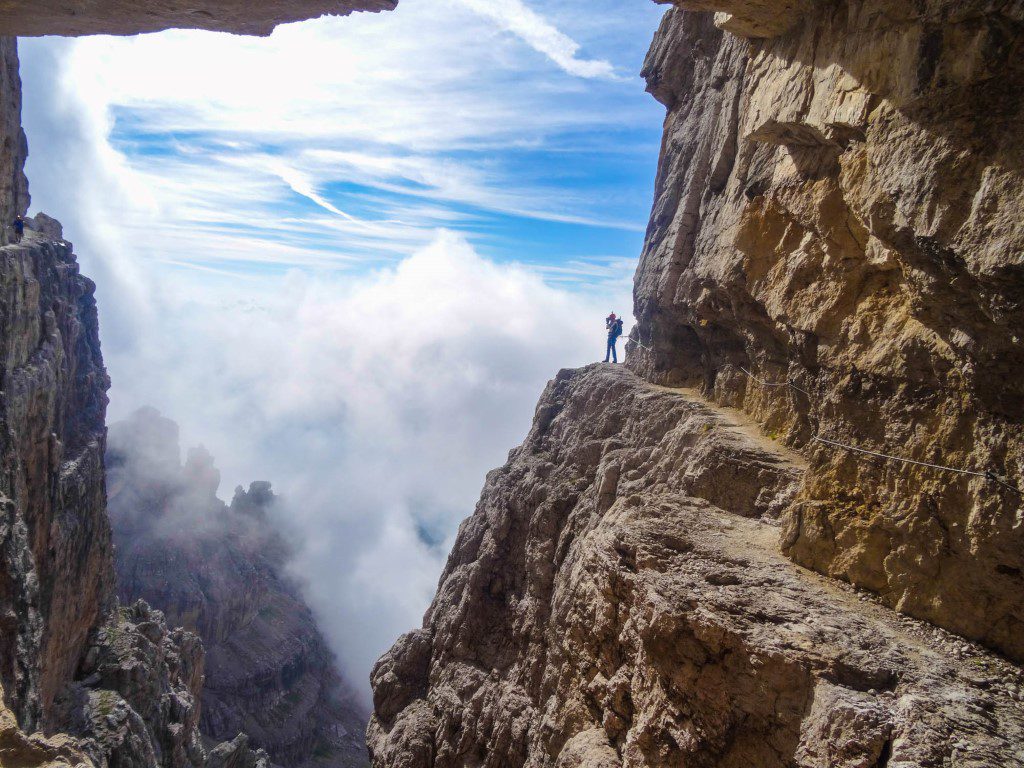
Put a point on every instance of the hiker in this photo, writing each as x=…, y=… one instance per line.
x=19, y=228
x=614, y=326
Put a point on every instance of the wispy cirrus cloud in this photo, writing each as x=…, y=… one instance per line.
x=541, y=35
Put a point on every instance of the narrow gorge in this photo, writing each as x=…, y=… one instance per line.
x=787, y=533
x=85, y=681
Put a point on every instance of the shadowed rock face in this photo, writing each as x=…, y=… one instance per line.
x=219, y=571
x=55, y=569
x=29, y=18
x=83, y=681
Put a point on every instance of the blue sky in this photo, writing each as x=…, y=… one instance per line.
x=341, y=144
x=348, y=257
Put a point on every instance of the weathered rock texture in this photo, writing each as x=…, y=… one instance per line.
x=29, y=18
x=219, y=571
x=84, y=683
x=56, y=578
x=840, y=207
x=837, y=213
x=618, y=598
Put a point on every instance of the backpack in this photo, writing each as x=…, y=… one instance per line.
x=617, y=329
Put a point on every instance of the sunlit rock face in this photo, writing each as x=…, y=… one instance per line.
x=29, y=18
x=670, y=570
x=619, y=599
x=220, y=571
x=839, y=206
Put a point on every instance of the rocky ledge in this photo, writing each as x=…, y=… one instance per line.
x=620, y=597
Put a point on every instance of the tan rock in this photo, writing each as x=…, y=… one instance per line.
x=36, y=751
x=839, y=207
x=656, y=622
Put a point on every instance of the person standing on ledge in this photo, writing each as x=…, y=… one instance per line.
x=19, y=228
x=614, y=326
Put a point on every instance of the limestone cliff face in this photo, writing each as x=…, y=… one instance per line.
x=56, y=577
x=839, y=206
x=220, y=571
x=619, y=598
x=837, y=211
x=29, y=18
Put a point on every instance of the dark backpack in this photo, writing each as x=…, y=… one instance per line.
x=617, y=329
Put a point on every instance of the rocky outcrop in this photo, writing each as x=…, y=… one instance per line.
x=839, y=207
x=833, y=265
x=220, y=571
x=29, y=18
x=619, y=598
x=136, y=700
x=56, y=578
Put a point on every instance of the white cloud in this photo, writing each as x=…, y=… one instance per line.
x=515, y=17
x=376, y=406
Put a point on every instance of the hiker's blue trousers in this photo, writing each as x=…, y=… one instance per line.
x=610, y=352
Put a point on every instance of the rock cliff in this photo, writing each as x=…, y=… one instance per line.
x=83, y=681
x=839, y=207
x=619, y=598
x=676, y=568
x=220, y=571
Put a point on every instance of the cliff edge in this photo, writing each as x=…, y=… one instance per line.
x=789, y=534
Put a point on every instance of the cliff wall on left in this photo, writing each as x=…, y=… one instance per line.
x=83, y=681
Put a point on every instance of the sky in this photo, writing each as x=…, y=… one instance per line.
x=346, y=258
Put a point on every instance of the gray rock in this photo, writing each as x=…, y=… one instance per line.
x=620, y=598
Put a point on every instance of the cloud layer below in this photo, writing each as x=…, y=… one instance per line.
x=375, y=406
x=348, y=257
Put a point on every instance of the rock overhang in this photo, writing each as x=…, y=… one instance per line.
x=34, y=18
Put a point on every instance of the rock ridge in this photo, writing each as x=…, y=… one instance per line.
x=619, y=597
x=221, y=571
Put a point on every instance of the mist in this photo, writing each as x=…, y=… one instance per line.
x=375, y=407
x=373, y=393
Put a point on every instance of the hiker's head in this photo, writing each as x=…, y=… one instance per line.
x=611, y=316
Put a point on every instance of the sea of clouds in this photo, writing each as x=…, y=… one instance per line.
x=372, y=363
